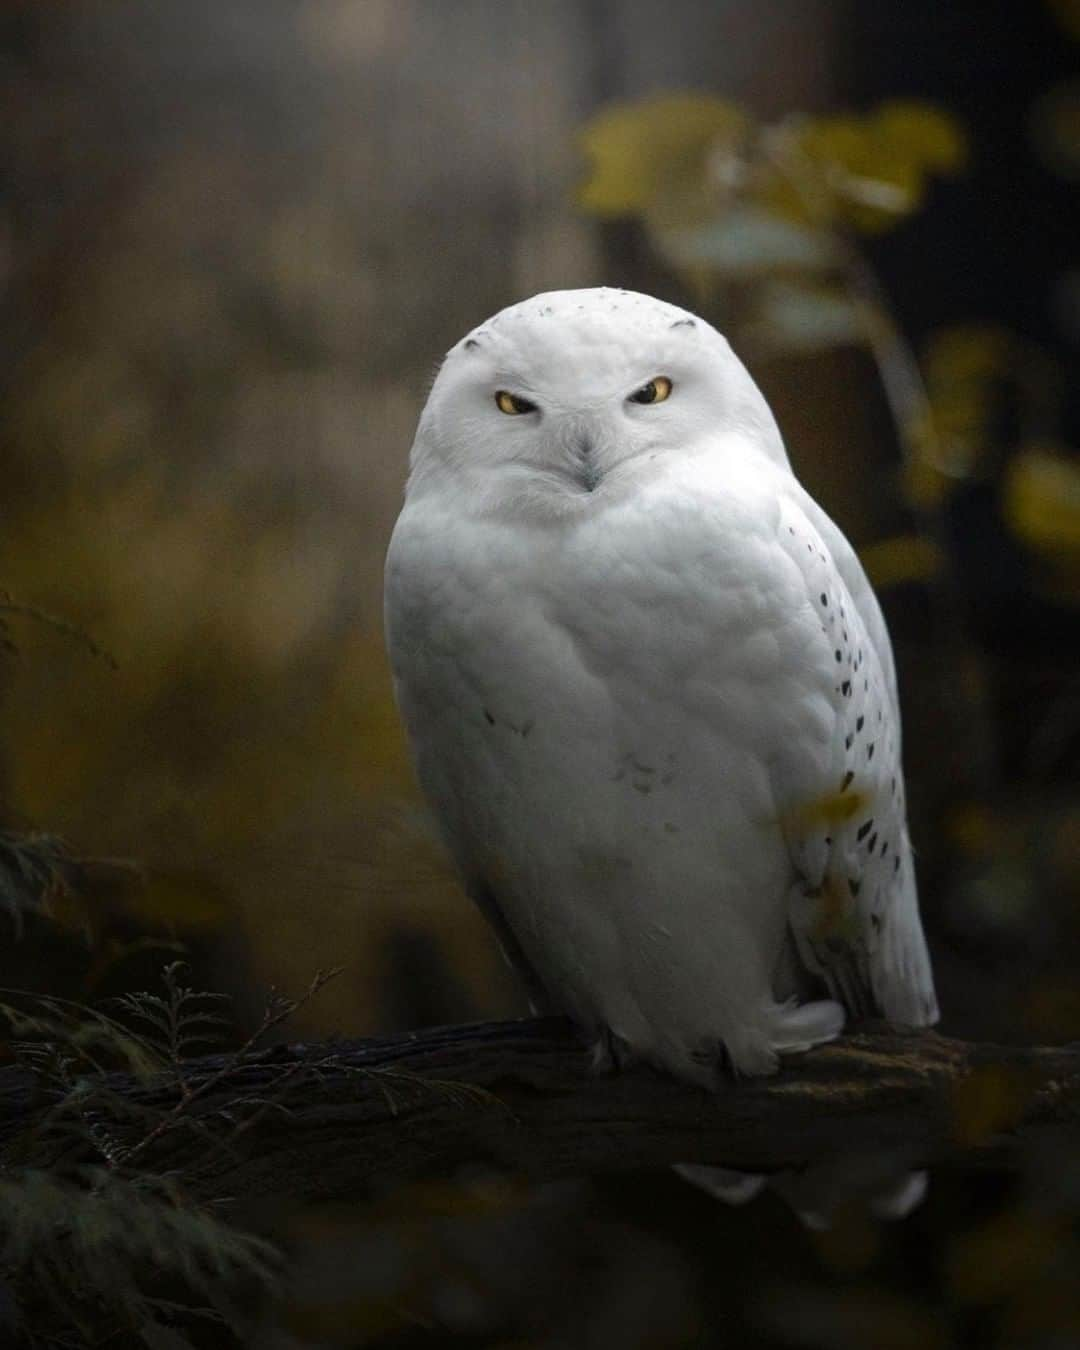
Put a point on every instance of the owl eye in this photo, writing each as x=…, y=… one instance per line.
x=655, y=391
x=512, y=405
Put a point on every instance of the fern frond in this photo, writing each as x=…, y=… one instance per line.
x=83, y=1031
x=99, y=1239
x=32, y=872
x=181, y=1018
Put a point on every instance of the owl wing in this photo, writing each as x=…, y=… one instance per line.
x=854, y=909
x=859, y=588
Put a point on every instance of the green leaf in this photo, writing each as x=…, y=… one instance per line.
x=800, y=318
x=748, y=240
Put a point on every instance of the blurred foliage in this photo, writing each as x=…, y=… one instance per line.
x=83, y=1254
x=99, y=1247
x=731, y=202
x=774, y=226
x=31, y=873
x=674, y=156
x=185, y=482
x=763, y=222
x=1041, y=499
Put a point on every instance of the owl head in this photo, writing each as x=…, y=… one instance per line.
x=571, y=398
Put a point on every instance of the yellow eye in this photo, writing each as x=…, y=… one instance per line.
x=512, y=405
x=655, y=391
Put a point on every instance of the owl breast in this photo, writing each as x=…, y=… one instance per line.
x=591, y=717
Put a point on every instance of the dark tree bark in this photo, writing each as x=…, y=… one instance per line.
x=328, y=1121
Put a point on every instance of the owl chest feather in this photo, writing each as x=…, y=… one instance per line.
x=592, y=709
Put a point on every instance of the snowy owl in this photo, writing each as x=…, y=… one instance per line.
x=650, y=693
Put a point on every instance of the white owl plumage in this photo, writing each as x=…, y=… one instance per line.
x=650, y=693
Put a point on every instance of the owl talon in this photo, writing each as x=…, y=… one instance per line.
x=609, y=1053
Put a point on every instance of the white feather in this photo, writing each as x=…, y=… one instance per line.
x=621, y=690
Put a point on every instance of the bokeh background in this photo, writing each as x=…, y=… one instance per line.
x=236, y=237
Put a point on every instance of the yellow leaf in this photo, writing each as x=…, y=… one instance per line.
x=808, y=159
x=640, y=151
x=867, y=172
x=833, y=808
x=1041, y=500
x=963, y=366
x=875, y=183
x=924, y=134
x=905, y=557
x=967, y=352
x=843, y=140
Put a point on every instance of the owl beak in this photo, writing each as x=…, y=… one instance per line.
x=587, y=471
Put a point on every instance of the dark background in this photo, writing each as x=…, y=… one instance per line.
x=235, y=238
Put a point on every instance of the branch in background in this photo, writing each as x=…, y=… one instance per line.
x=316, y=1122
x=56, y=623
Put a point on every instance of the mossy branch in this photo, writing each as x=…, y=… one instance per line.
x=326, y=1121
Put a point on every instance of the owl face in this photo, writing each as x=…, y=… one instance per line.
x=574, y=394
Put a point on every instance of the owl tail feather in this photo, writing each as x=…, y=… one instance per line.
x=722, y=1183
x=813, y=1199
x=800, y=1026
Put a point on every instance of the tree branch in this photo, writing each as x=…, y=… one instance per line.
x=326, y=1121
